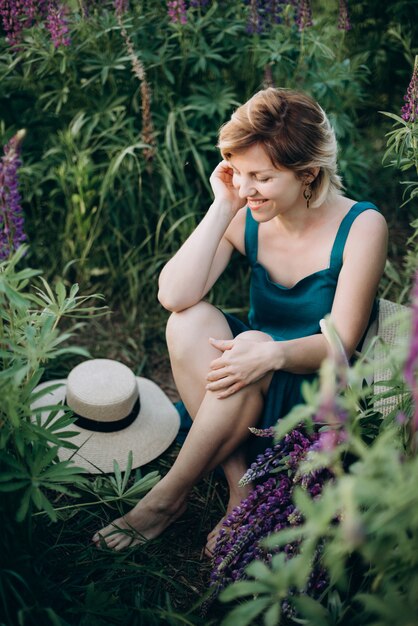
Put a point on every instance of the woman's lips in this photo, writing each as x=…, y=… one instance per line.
x=255, y=204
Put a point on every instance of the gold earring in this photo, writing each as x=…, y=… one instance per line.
x=307, y=194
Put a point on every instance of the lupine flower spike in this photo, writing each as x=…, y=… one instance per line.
x=11, y=217
x=267, y=509
x=56, y=23
x=121, y=6
x=16, y=16
x=304, y=16
x=177, y=11
x=343, y=17
x=198, y=4
x=410, y=108
x=263, y=14
x=138, y=69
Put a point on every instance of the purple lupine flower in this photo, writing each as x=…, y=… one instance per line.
x=17, y=15
x=121, y=6
x=177, y=11
x=138, y=69
x=198, y=4
x=284, y=454
x=410, y=108
x=412, y=358
x=11, y=216
x=263, y=14
x=329, y=439
x=343, y=17
x=57, y=24
x=304, y=15
x=267, y=509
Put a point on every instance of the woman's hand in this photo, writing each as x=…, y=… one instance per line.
x=243, y=362
x=223, y=187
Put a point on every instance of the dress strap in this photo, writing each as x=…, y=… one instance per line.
x=343, y=231
x=251, y=238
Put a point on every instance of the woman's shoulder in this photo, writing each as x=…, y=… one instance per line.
x=367, y=212
x=235, y=232
x=360, y=211
x=369, y=226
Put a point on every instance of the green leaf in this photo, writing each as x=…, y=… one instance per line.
x=244, y=588
x=312, y=610
x=118, y=476
x=259, y=570
x=16, y=485
x=24, y=505
x=127, y=471
x=61, y=293
x=272, y=615
x=245, y=613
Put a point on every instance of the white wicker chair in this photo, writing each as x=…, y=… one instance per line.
x=390, y=330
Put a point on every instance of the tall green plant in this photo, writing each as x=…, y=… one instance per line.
x=362, y=529
x=97, y=204
x=402, y=153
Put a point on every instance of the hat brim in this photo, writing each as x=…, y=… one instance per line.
x=154, y=429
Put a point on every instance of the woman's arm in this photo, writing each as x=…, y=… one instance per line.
x=193, y=270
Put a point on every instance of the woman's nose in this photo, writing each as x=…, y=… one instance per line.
x=246, y=189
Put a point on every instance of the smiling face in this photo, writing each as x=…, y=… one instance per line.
x=269, y=190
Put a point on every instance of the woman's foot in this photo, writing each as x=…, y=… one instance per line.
x=147, y=520
x=212, y=537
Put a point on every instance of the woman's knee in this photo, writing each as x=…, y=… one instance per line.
x=185, y=328
x=254, y=335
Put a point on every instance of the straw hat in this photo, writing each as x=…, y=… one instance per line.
x=115, y=412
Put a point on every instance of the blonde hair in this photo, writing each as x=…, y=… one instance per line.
x=295, y=133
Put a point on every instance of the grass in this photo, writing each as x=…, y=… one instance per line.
x=160, y=582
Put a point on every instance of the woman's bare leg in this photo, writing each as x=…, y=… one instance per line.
x=219, y=428
x=190, y=355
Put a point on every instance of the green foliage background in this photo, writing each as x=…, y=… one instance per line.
x=101, y=214
x=98, y=211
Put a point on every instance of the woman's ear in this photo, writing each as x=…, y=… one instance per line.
x=310, y=175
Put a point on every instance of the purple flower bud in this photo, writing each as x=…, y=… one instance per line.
x=330, y=439
x=198, y=4
x=268, y=508
x=343, y=17
x=11, y=216
x=304, y=16
x=121, y=6
x=410, y=109
x=16, y=15
x=56, y=23
x=177, y=11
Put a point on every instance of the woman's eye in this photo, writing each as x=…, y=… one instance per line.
x=263, y=180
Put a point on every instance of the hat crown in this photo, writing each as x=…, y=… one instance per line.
x=102, y=389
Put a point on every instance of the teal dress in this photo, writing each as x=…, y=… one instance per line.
x=289, y=313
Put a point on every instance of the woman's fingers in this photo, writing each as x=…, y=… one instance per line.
x=222, y=344
x=231, y=390
x=217, y=383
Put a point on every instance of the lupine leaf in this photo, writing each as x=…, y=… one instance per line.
x=245, y=613
x=272, y=615
x=243, y=588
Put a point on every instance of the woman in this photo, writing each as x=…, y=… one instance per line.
x=277, y=200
